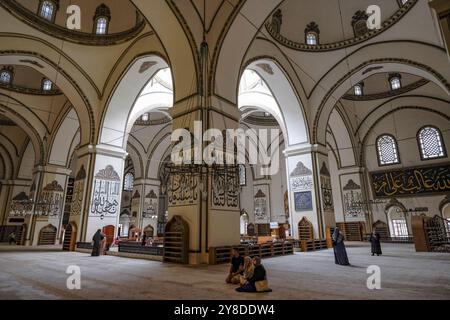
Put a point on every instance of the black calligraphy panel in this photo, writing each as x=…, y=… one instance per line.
x=411, y=181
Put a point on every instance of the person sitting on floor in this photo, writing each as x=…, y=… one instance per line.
x=258, y=282
x=249, y=268
x=12, y=238
x=236, y=268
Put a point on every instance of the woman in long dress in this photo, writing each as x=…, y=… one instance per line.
x=98, y=243
x=340, y=254
x=376, y=244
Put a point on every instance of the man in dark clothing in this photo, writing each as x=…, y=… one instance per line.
x=98, y=243
x=376, y=244
x=236, y=268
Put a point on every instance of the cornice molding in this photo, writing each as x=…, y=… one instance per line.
x=24, y=90
x=52, y=29
x=344, y=43
x=387, y=94
x=261, y=121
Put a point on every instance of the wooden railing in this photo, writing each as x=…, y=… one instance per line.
x=85, y=245
x=136, y=247
x=219, y=255
x=5, y=231
x=312, y=245
x=437, y=231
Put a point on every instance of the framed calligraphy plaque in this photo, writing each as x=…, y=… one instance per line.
x=411, y=181
x=303, y=201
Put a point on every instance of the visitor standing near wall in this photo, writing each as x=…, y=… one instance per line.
x=98, y=243
x=340, y=253
x=376, y=244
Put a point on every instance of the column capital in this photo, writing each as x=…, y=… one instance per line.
x=110, y=151
x=304, y=148
x=144, y=181
x=16, y=182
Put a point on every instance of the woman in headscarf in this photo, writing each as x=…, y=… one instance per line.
x=98, y=242
x=248, y=270
x=340, y=254
x=375, y=241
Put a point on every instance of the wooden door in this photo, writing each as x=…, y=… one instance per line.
x=108, y=231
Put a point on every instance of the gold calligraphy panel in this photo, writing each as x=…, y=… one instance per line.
x=411, y=181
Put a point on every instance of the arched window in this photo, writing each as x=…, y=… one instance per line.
x=311, y=39
x=242, y=175
x=358, y=89
x=6, y=76
x=395, y=81
x=430, y=142
x=398, y=224
x=102, y=24
x=312, y=34
x=47, y=10
x=359, y=23
x=47, y=85
x=387, y=150
x=101, y=19
x=128, y=182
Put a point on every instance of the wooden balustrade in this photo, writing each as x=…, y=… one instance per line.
x=219, y=255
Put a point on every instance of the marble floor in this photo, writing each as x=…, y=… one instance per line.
x=405, y=274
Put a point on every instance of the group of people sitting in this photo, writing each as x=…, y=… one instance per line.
x=248, y=273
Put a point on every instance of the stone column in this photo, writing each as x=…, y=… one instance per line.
x=353, y=195
x=324, y=188
x=10, y=191
x=105, y=182
x=209, y=203
x=303, y=189
x=50, y=200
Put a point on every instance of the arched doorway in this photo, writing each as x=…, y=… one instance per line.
x=398, y=224
x=382, y=228
x=305, y=230
x=108, y=231
x=47, y=235
x=244, y=223
x=70, y=236
x=176, y=241
x=124, y=224
x=149, y=231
